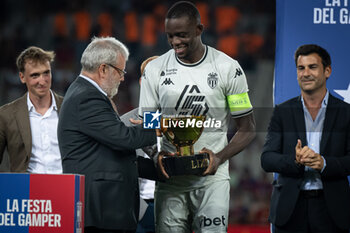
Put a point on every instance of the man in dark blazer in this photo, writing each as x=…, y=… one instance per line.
x=308, y=145
x=20, y=132
x=94, y=142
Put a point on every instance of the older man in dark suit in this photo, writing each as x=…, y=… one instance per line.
x=308, y=145
x=28, y=125
x=94, y=142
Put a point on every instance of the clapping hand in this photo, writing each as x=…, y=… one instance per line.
x=308, y=157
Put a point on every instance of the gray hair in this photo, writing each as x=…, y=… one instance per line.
x=102, y=50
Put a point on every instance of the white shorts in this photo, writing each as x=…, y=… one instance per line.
x=200, y=211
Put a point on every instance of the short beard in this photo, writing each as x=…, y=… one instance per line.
x=111, y=92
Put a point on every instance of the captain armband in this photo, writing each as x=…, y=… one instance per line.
x=239, y=104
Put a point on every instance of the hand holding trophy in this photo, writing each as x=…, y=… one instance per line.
x=183, y=132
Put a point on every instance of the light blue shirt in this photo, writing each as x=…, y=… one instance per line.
x=312, y=178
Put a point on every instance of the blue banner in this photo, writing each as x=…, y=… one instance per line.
x=322, y=22
x=15, y=186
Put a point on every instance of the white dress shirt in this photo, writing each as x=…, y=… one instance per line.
x=46, y=157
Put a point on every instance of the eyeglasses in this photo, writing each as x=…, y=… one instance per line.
x=120, y=71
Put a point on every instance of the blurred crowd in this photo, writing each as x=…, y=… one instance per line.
x=243, y=29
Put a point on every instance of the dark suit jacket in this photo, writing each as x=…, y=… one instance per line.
x=15, y=132
x=146, y=167
x=286, y=126
x=93, y=141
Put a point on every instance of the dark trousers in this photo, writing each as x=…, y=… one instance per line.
x=310, y=215
x=98, y=230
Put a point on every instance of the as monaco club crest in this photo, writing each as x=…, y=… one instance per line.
x=212, y=80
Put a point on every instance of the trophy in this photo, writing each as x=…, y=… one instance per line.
x=183, y=132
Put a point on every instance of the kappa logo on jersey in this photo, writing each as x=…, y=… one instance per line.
x=167, y=81
x=151, y=120
x=212, y=80
x=238, y=72
x=191, y=102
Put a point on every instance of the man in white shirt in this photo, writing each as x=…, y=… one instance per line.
x=28, y=125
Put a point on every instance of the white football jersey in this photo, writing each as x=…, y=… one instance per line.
x=215, y=86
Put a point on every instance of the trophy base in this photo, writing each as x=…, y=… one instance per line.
x=186, y=165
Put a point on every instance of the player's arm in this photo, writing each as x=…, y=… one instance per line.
x=244, y=135
x=242, y=111
x=149, y=99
